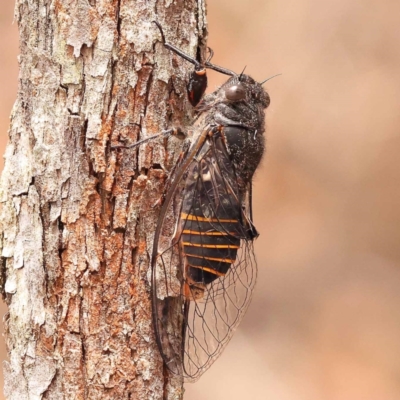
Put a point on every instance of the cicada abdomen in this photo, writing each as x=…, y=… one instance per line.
x=211, y=222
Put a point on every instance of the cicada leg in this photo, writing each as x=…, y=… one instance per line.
x=177, y=132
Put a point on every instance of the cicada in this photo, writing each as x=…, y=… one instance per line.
x=203, y=268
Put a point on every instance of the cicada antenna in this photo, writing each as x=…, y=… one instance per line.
x=241, y=74
x=273, y=76
x=198, y=66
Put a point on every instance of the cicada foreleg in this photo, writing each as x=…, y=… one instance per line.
x=197, y=82
x=177, y=132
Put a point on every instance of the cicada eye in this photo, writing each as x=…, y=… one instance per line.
x=235, y=92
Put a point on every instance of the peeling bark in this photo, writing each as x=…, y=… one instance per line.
x=76, y=217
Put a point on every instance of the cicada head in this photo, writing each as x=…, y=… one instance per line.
x=245, y=88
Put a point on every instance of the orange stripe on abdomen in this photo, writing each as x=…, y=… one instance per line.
x=209, y=246
x=191, y=217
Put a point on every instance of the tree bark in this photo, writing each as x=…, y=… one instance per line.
x=76, y=216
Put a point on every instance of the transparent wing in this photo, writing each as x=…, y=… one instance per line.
x=211, y=321
x=204, y=269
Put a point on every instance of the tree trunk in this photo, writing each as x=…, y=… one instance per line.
x=76, y=216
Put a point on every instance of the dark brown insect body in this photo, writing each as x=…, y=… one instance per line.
x=211, y=238
x=203, y=265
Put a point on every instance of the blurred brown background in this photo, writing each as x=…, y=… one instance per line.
x=325, y=319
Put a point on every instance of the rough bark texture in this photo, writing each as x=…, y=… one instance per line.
x=76, y=217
